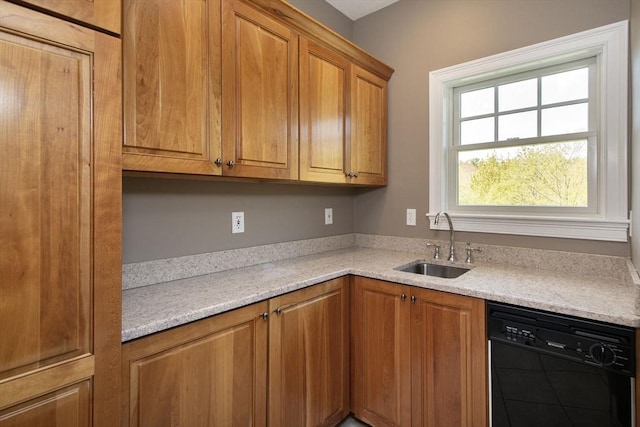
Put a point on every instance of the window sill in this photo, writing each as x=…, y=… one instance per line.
x=568, y=228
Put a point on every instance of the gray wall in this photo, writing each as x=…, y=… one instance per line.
x=166, y=218
x=418, y=36
x=323, y=12
x=635, y=130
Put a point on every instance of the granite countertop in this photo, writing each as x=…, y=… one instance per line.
x=157, y=307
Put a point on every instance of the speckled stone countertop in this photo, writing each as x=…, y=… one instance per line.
x=153, y=308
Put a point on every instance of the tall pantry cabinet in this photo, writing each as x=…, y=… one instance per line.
x=60, y=221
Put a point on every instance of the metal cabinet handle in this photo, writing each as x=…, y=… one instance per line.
x=264, y=315
x=350, y=175
x=403, y=297
x=277, y=310
x=413, y=299
x=230, y=163
x=355, y=175
x=218, y=161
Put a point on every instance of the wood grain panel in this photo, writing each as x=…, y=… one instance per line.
x=309, y=356
x=107, y=229
x=381, y=366
x=171, y=76
x=41, y=381
x=324, y=91
x=368, y=127
x=260, y=89
x=212, y=372
x=448, y=360
x=99, y=13
x=60, y=197
x=69, y=407
x=45, y=203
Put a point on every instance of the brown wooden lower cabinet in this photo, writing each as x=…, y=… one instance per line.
x=418, y=359
x=309, y=356
x=381, y=388
x=214, y=372
x=208, y=373
x=419, y=356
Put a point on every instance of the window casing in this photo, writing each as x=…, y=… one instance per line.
x=502, y=107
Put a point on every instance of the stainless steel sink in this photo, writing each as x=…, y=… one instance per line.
x=436, y=270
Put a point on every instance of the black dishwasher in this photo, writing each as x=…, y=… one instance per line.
x=554, y=370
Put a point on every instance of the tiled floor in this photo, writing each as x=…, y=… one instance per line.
x=352, y=422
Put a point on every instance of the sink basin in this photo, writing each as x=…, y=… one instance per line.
x=436, y=270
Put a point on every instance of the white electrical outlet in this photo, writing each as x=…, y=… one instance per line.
x=237, y=222
x=411, y=217
x=328, y=216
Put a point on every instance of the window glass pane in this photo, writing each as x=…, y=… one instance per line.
x=518, y=95
x=477, y=102
x=518, y=125
x=551, y=175
x=567, y=86
x=567, y=119
x=475, y=131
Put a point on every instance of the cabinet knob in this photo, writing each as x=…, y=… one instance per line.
x=355, y=175
x=264, y=315
x=403, y=297
x=230, y=163
x=218, y=161
x=350, y=175
x=413, y=299
x=277, y=310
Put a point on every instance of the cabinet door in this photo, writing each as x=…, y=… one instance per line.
x=309, y=356
x=260, y=90
x=448, y=360
x=368, y=128
x=208, y=373
x=381, y=393
x=69, y=407
x=100, y=13
x=324, y=90
x=60, y=199
x=172, y=86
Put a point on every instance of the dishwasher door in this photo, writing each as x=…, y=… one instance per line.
x=533, y=389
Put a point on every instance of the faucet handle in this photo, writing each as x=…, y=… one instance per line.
x=470, y=250
x=436, y=254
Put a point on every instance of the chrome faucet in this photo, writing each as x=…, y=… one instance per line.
x=452, y=252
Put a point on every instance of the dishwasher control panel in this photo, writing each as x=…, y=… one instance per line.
x=591, y=342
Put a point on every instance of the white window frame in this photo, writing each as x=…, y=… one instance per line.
x=609, y=44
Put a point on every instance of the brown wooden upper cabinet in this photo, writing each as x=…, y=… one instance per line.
x=324, y=95
x=249, y=88
x=60, y=220
x=368, y=132
x=343, y=119
x=103, y=14
x=172, y=70
x=260, y=94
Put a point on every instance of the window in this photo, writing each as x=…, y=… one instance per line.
x=534, y=141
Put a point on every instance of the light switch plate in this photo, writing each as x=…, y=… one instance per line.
x=411, y=217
